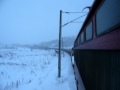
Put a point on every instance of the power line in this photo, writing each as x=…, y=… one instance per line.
x=77, y=22
x=73, y=20
x=73, y=12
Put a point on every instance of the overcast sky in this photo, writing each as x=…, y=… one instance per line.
x=35, y=21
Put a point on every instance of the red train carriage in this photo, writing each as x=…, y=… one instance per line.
x=97, y=47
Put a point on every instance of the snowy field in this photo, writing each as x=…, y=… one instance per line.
x=26, y=69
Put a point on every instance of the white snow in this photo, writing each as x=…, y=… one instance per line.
x=26, y=69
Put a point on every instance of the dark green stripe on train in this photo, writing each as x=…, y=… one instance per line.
x=99, y=69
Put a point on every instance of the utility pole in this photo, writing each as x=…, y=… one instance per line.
x=60, y=35
x=63, y=46
x=59, y=55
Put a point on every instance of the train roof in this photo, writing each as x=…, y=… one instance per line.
x=92, y=11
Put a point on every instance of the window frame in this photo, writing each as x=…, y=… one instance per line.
x=110, y=29
x=91, y=21
x=83, y=37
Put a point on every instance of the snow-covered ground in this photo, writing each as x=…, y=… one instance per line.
x=26, y=69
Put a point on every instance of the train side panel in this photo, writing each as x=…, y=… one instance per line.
x=99, y=69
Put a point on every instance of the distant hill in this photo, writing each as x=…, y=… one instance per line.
x=67, y=42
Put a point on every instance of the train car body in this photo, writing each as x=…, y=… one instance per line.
x=97, y=47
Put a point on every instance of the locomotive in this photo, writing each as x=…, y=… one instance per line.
x=97, y=47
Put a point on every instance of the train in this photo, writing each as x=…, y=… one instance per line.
x=97, y=48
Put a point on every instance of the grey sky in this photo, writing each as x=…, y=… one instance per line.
x=35, y=21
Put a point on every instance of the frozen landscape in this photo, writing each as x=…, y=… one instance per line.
x=27, y=69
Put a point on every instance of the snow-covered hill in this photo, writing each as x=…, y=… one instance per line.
x=67, y=42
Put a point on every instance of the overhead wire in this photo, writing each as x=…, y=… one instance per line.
x=73, y=20
x=73, y=12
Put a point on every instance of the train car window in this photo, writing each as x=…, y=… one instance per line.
x=108, y=16
x=78, y=41
x=82, y=37
x=89, y=31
